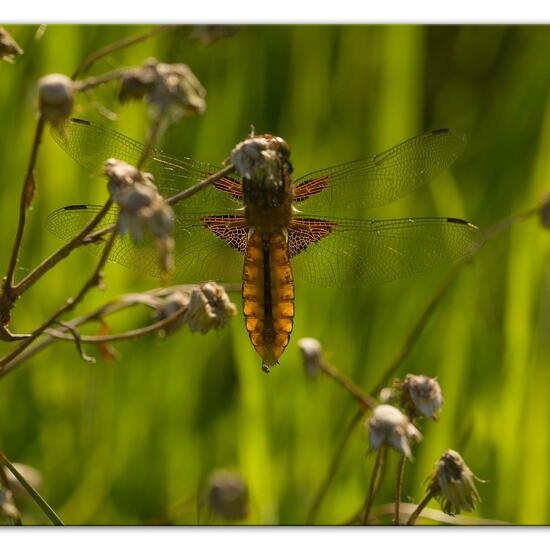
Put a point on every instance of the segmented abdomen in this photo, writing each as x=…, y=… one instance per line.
x=268, y=294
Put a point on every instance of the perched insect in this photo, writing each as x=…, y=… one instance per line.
x=264, y=231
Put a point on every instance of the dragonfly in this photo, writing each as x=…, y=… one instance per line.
x=265, y=236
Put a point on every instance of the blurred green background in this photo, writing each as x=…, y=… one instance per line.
x=123, y=442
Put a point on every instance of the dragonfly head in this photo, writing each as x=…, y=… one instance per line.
x=264, y=163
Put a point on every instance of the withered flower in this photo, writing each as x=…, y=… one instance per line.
x=420, y=395
x=257, y=158
x=209, y=308
x=312, y=355
x=56, y=99
x=9, y=48
x=227, y=495
x=452, y=483
x=389, y=426
x=142, y=208
x=169, y=88
x=173, y=302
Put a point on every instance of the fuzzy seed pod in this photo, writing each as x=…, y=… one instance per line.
x=228, y=495
x=56, y=98
x=312, y=355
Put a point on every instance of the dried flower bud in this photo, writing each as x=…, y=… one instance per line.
x=257, y=158
x=8, y=509
x=420, y=395
x=228, y=495
x=209, y=308
x=312, y=355
x=172, y=89
x=389, y=426
x=545, y=211
x=209, y=34
x=175, y=301
x=9, y=48
x=56, y=98
x=452, y=484
x=141, y=208
x=32, y=475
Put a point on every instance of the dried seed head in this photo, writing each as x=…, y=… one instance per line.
x=171, y=89
x=209, y=34
x=420, y=395
x=56, y=98
x=142, y=208
x=172, y=303
x=209, y=308
x=312, y=355
x=228, y=495
x=453, y=484
x=389, y=426
x=32, y=475
x=545, y=211
x=9, y=48
x=257, y=158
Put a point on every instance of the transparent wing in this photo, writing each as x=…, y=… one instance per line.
x=340, y=253
x=379, y=179
x=91, y=145
x=200, y=254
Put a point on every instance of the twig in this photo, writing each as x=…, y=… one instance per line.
x=398, y=484
x=128, y=335
x=26, y=198
x=118, y=45
x=78, y=342
x=372, y=484
x=70, y=304
x=63, y=252
x=152, y=135
x=365, y=400
x=414, y=516
x=95, y=81
x=44, y=506
x=333, y=468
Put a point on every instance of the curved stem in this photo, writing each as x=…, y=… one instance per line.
x=423, y=503
x=372, y=484
x=398, y=484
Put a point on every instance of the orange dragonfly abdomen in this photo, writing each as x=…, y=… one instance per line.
x=268, y=294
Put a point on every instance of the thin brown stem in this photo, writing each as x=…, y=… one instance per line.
x=62, y=253
x=333, y=468
x=372, y=484
x=128, y=335
x=398, y=485
x=364, y=399
x=118, y=45
x=93, y=281
x=27, y=193
x=423, y=503
x=157, y=125
x=95, y=81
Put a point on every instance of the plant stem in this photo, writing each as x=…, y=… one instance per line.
x=372, y=484
x=63, y=252
x=414, y=516
x=334, y=464
x=118, y=45
x=44, y=506
x=398, y=484
x=365, y=400
x=27, y=193
x=69, y=305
